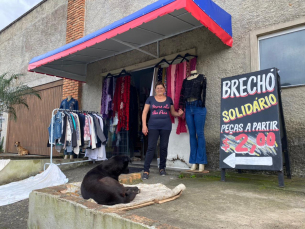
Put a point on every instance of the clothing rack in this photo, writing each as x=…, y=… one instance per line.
x=51, y=154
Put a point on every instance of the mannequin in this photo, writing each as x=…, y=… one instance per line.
x=70, y=104
x=192, y=98
x=193, y=75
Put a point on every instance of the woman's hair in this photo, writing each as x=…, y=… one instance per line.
x=159, y=83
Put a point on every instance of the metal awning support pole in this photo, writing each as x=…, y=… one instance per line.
x=134, y=47
x=51, y=154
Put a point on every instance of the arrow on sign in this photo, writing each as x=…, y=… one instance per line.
x=232, y=161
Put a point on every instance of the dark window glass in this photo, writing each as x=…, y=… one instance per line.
x=285, y=51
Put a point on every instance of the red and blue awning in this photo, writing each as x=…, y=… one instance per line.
x=155, y=22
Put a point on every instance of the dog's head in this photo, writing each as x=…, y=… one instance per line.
x=17, y=144
x=117, y=165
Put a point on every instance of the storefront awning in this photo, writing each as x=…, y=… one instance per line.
x=155, y=22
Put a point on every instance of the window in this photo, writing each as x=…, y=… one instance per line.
x=286, y=51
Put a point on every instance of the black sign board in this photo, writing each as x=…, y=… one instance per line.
x=251, y=122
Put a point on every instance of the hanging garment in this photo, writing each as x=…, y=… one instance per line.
x=193, y=63
x=77, y=132
x=64, y=128
x=195, y=88
x=68, y=130
x=180, y=76
x=73, y=128
x=98, y=154
x=109, y=99
x=57, y=127
x=170, y=76
x=121, y=102
x=160, y=74
x=175, y=75
x=81, y=118
x=99, y=129
x=104, y=96
x=86, y=133
x=92, y=133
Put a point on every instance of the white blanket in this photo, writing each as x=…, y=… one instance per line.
x=3, y=163
x=20, y=190
x=149, y=193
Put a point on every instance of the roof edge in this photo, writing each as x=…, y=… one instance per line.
x=23, y=15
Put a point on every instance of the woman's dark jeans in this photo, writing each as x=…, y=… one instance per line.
x=195, y=120
x=153, y=136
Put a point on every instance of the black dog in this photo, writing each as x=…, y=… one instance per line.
x=101, y=183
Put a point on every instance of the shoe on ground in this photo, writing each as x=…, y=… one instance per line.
x=162, y=172
x=145, y=176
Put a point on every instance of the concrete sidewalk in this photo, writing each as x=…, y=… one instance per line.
x=244, y=201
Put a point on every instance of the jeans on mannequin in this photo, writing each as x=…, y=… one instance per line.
x=195, y=119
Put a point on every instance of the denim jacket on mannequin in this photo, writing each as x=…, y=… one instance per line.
x=72, y=104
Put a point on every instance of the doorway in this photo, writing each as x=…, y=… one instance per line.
x=132, y=142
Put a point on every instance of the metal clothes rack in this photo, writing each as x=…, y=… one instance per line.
x=51, y=154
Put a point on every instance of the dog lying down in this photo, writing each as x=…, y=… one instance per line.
x=101, y=183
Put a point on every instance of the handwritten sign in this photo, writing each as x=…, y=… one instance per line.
x=250, y=123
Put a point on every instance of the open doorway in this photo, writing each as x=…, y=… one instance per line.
x=132, y=142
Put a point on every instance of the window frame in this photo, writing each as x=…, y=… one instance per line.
x=272, y=31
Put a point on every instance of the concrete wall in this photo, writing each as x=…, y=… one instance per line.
x=17, y=170
x=38, y=32
x=104, y=12
x=49, y=208
x=215, y=60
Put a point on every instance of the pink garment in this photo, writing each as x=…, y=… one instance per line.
x=180, y=76
x=169, y=87
x=193, y=63
x=176, y=73
x=86, y=130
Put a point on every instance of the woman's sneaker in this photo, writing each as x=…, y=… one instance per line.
x=162, y=172
x=145, y=176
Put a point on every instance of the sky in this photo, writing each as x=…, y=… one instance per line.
x=10, y=10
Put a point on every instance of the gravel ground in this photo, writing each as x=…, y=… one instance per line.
x=15, y=216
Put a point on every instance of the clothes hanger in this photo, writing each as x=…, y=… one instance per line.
x=124, y=73
x=187, y=55
x=178, y=56
x=109, y=75
x=184, y=58
x=163, y=60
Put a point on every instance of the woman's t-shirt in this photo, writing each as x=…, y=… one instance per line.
x=159, y=113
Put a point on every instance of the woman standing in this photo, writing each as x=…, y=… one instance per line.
x=159, y=125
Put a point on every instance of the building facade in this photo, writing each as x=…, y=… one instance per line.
x=258, y=27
